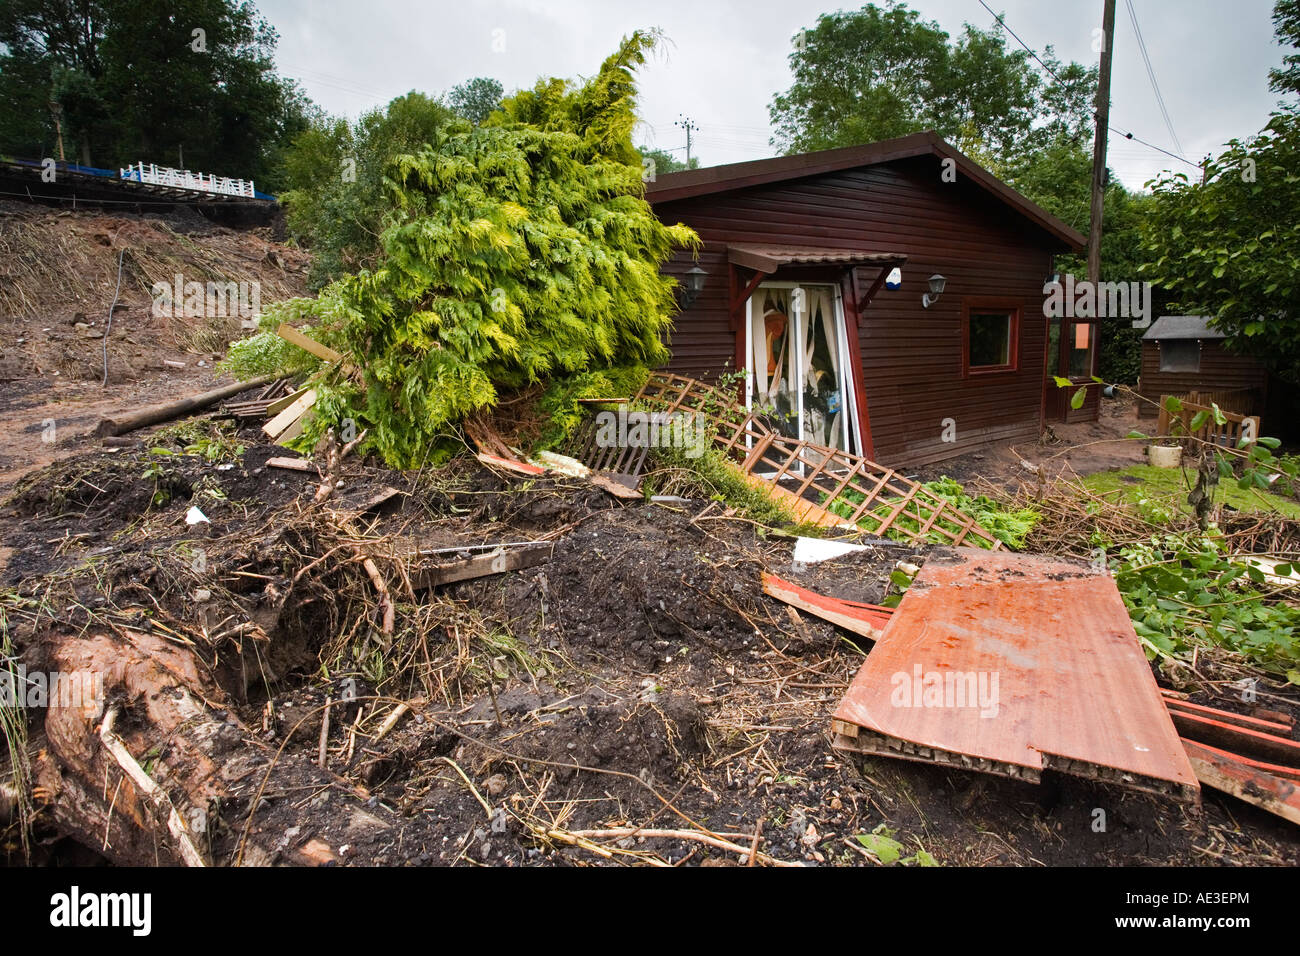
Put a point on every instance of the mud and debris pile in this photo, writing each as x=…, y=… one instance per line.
x=634, y=699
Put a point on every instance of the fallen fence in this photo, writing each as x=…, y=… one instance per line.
x=824, y=485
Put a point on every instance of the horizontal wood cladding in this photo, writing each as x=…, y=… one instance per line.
x=911, y=356
x=1220, y=369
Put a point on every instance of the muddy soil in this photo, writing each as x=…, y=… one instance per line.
x=639, y=678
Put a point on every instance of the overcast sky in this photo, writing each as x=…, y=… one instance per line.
x=725, y=60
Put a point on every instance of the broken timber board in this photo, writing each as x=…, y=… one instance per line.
x=1227, y=716
x=614, y=487
x=278, y=425
x=1243, y=740
x=1224, y=771
x=280, y=404
x=290, y=464
x=497, y=561
x=294, y=337
x=1012, y=664
x=296, y=428
x=867, y=620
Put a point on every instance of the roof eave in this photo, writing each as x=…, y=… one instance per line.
x=714, y=179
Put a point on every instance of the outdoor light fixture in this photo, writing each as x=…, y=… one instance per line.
x=691, y=286
x=937, y=283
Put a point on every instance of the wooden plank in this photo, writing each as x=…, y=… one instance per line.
x=290, y=464
x=291, y=414
x=1243, y=740
x=296, y=428
x=863, y=619
x=497, y=561
x=1223, y=771
x=614, y=487
x=1227, y=716
x=1036, y=664
x=280, y=404
x=294, y=337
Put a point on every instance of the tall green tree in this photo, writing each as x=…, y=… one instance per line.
x=177, y=82
x=1286, y=28
x=883, y=71
x=522, y=252
x=1228, y=244
x=1230, y=247
x=338, y=199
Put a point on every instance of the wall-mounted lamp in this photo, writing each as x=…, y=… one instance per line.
x=937, y=282
x=692, y=285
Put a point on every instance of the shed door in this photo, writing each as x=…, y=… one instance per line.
x=798, y=377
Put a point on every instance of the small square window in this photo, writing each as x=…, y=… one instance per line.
x=1180, y=355
x=991, y=338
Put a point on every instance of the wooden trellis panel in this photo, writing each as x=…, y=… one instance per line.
x=826, y=482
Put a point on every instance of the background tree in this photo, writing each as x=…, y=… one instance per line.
x=338, y=202
x=130, y=80
x=883, y=71
x=666, y=162
x=1229, y=246
x=1286, y=28
x=476, y=99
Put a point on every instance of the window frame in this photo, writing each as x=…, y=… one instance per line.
x=1160, y=357
x=983, y=304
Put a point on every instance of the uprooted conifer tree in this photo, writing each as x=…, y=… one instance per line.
x=520, y=253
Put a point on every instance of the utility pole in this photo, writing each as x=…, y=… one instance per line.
x=1099, y=144
x=686, y=123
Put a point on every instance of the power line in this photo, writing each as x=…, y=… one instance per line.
x=1030, y=51
x=1151, y=73
x=1027, y=47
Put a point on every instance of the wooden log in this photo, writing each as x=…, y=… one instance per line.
x=497, y=561
x=190, y=802
x=120, y=423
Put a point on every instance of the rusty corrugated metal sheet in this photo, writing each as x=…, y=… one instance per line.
x=1047, y=651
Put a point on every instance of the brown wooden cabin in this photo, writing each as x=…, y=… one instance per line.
x=926, y=382
x=1181, y=354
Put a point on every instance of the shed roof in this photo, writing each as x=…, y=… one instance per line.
x=767, y=259
x=714, y=179
x=1182, y=327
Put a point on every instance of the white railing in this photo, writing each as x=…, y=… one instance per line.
x=156, y=175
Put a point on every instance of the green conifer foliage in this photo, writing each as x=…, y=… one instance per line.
x=523, y=252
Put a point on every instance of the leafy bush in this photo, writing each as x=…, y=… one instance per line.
x=1183, y=590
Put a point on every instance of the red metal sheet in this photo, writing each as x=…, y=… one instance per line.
x=1013, y=663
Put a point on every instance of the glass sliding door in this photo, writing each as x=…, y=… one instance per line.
x=798, y=376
